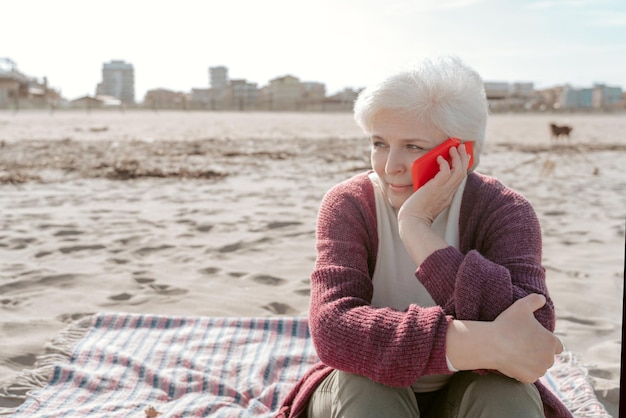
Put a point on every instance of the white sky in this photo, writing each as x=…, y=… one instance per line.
x=342, y=43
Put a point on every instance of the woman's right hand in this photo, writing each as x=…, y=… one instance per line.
x=515, y=343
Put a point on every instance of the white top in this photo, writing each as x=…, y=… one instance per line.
x=395, y=284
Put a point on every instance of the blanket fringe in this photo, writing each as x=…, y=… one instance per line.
x=57, y=350
x=572, y=374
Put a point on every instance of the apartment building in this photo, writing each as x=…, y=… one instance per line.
x=218, y=77
x=19, y=91
x=241, y=95
x=599, y=96
x=166, y=99
x=282, y=93
x=503, y=96
x=118, y=80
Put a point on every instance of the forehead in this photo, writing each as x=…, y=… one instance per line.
x=390, y=124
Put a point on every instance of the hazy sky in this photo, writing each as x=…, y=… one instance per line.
x=342, y=43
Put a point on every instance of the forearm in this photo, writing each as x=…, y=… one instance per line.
x=470, y=286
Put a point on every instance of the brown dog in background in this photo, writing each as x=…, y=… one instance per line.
x=557, y=131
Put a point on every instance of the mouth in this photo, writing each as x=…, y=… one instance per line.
x=400, y=188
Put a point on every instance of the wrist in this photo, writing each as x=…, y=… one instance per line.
x=414, y=219
x=410, y=225
x=469, y=345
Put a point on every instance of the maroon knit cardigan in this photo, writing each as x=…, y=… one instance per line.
x=499, y=261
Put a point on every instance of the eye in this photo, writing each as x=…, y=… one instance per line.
x=378, y=144
x=414, y=147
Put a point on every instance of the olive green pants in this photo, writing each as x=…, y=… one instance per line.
x=467, y=395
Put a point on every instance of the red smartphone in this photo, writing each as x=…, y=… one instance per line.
x=426, y=167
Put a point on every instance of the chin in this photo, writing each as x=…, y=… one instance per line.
x=396, y=201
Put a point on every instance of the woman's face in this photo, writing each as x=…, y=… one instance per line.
x=398, y=140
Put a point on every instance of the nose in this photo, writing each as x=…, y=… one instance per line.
x=396, y=163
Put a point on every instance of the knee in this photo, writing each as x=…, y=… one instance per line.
x=358, y=393
x=354, y=385
x=503, y=386
x=497, y=395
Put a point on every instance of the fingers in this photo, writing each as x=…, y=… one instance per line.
x=459, y=159
x=536, y=301
x=532, y=302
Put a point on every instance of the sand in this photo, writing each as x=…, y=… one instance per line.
x=214, y=214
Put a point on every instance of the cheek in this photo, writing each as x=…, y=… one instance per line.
x=378, y=160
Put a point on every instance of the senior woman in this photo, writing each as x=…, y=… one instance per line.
x=427, y=303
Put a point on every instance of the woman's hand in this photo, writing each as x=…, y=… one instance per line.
x=524, y=349
x=515, y=343
x=432, y=198
x=417, y=214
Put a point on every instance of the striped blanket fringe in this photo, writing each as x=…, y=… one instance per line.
x=58, y=350
x=570, y=381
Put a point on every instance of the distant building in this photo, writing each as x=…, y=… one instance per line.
x=11, y=82
x=241, y=95
x=18, y=91
x=96, y=102
x=312, y=96
x=118, y=80
x=503, y=96
x=166, y=99
x=342, y=101
x=203, y=99
x=572, y=98
x=282, y=93
x=606, y=96
x=599, y=97
x=218, y=77
x=496, y=90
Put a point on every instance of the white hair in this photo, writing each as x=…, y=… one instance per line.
x=443, y=92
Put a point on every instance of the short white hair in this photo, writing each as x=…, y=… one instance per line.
x=443, y=92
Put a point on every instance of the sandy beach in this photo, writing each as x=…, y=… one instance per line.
x=213, y=214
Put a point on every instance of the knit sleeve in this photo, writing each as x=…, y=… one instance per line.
x=499, y=261
x=388, y=346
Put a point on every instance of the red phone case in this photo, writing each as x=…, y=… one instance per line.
x=426, y=167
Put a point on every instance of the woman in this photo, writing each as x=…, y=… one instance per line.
x=427, y=303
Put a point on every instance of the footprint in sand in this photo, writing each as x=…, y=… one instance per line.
x=20, y=243
x=26, y=359
x=143, y=280
x=209, y=270
x=598, y=325
x=9, y=302
x=268, y=280
x=204, y=228
x=119, y=260
x=75, y=248
x=242, y=245
x=149, y=250
x=276, y=225
x=121, y=297
x=66, y=318
x=164, y=289
x=280, y=308
x=60, y=280
x=67, y=233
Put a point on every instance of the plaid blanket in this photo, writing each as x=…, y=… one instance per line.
x=130, y=365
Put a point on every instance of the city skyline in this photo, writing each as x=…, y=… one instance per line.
x=346, y=45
